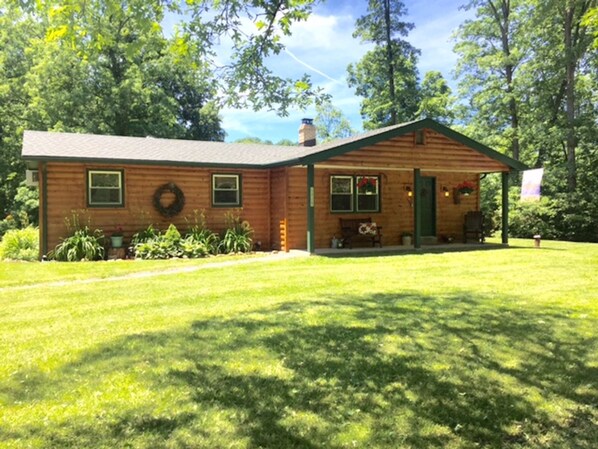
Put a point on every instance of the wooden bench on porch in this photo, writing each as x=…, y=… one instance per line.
x=360, y=229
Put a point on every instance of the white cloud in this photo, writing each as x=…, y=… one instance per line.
x=323, y=47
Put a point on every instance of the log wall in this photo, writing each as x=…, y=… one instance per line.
x=437, y=153
x=275, y=201
x=67, y=195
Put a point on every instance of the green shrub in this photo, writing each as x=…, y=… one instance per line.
x=161, y=246
x=82, y=245
x=8, y=224
x=199, y=233
x=205, y=237
x=237, y=237
x=576, y=217
x=20, y=244
x=528, y=218
x=192, y=248
x=147, y=234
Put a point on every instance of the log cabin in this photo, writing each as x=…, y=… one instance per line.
x=405, y=178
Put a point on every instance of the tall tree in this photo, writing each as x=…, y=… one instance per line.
x=387, y=75
x=491, y=50
x=561, y=74
x=16, y=28
x=116, y=73
x=576, y=42
x=436, y=99
x=108, y=66
x=331, y=123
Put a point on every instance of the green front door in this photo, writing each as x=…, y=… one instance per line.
x=428, y=206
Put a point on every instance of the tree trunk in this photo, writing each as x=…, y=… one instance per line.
x=502, y=18
x=571, y=63
x=390, y=64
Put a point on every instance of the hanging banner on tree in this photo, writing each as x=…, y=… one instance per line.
x=530, y=185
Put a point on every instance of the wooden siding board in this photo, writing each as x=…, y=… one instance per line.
x=140, y=185
x=439, y=153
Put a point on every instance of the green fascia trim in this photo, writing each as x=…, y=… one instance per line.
x=406, y=129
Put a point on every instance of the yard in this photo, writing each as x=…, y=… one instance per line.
x=480, y=349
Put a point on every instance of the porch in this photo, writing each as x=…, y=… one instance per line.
x=407, y=249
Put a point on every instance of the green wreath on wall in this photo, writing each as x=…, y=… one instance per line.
x=173, y=208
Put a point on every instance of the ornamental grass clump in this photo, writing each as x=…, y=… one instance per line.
x=237, y=237
x=200, y=234
x=20, y=244
x=84, y=244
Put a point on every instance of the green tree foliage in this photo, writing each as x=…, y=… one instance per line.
x=552, y=96
x=255, y=140
x=109, y=67
x=491, y=48
x=114, y=72
x=591, y=21
x=436, y=99
x=330, y=123
x=15, y=61
x=386, y=77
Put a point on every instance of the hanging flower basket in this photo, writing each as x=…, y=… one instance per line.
x=466, y=188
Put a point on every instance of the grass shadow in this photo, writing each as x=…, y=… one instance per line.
x=380, y=371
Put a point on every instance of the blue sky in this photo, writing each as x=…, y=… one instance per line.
x=323, y=46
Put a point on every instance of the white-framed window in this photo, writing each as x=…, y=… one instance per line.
x=226, y=190
x=341, y=193
x=105, y=188
x=354, y=193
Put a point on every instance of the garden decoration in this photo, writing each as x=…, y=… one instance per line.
x=117, y=238
x=466, y=188
x=367, y=185
x=173, y=208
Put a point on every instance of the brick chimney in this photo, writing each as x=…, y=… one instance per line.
x=307, y=133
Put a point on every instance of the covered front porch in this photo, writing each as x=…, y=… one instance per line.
x=421, y=205
x=392, y=250
x=417, y=168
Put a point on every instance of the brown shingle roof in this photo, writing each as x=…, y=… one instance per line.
x=40, y=146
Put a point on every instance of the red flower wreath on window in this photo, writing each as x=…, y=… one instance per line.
x=367, y=184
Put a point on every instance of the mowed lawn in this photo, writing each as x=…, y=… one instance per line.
x=480, y=349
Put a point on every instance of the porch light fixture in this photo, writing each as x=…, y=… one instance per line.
x=409, y=191
x=446, y=192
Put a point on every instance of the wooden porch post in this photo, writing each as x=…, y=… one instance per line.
x=505, y=208
x=417, y=211
x=310, y=209
x=43, y=219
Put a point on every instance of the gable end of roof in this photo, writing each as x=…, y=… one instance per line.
x=325, y=152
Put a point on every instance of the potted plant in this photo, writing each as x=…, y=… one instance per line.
x=406, y=238
x=117, y=238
